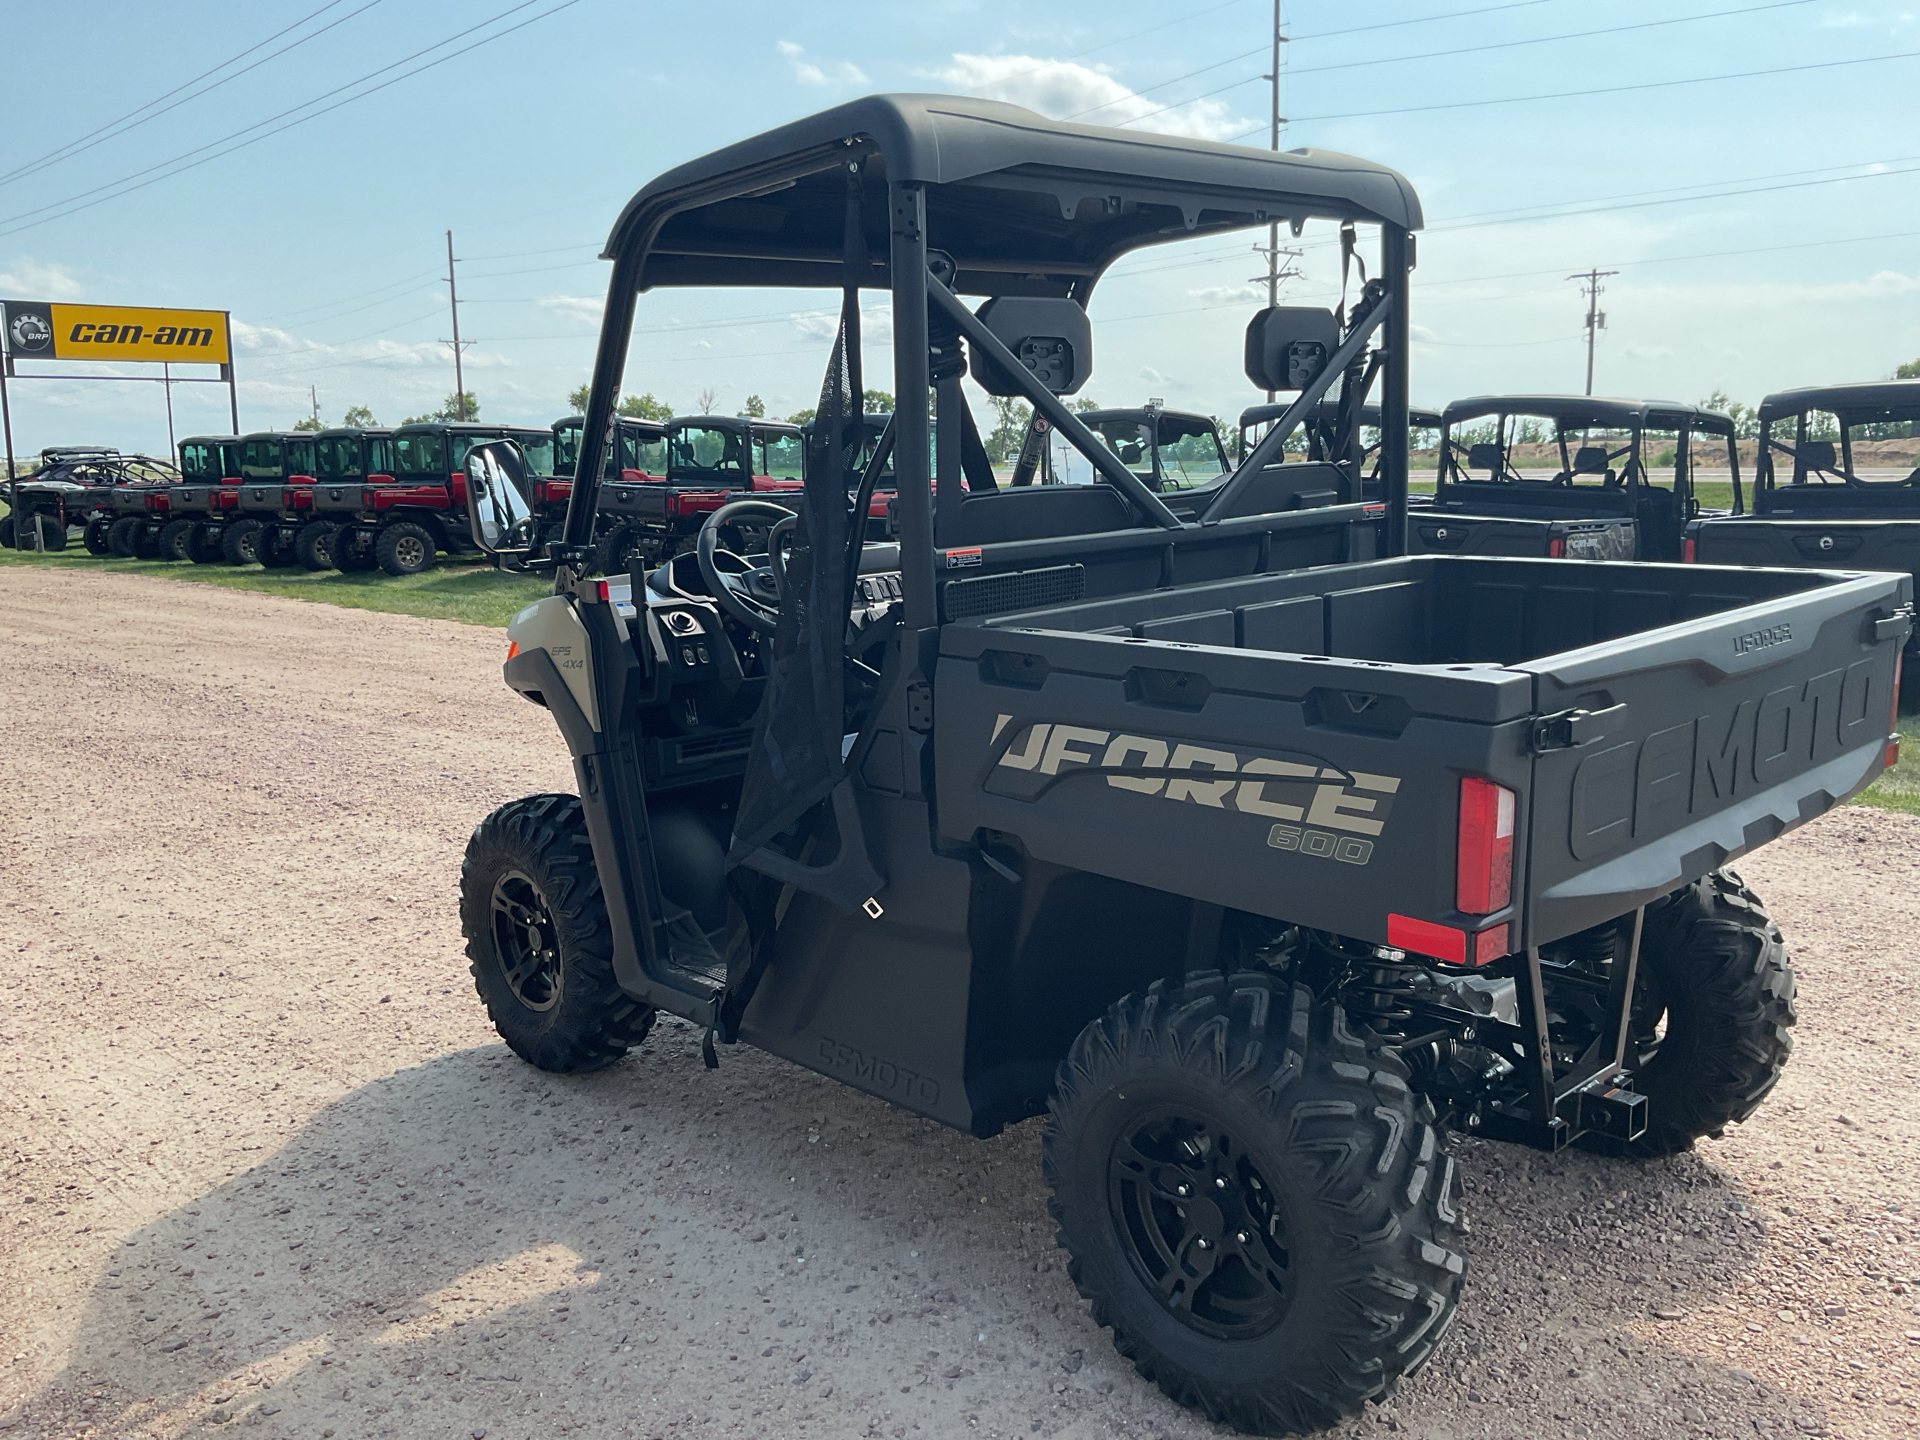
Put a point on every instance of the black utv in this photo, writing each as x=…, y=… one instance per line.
x=1253, y=863
x=276, y=499
x=1171, y=451
x=351, y=464
x=207, y=498
x=1821, y=496
x=71, y=485
x=1570, y=476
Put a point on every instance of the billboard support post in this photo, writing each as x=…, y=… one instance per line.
x=6, y=422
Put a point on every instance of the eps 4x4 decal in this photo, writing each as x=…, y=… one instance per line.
x=1311, y=808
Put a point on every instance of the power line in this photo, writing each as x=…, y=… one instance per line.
x=75, y=147
x=303, y=119
x=1604, y=90
x=1425, y=55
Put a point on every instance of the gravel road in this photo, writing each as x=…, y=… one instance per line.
x=263, y=1163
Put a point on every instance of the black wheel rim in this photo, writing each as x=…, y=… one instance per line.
x=1200, y=1225
x=526, y=941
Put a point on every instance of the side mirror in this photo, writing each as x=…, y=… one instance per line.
x=499, y=516
x=1289, y=345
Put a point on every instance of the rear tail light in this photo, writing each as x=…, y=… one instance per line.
x=1557, y=548
x=286, y=495
x=366, y=498
x=1484, y=852
x=1687, y=550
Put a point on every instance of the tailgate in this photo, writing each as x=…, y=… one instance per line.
x=1857, y=544
x=1703, y=740
x=1439, y=533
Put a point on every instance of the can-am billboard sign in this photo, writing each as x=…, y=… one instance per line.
x=45, y=330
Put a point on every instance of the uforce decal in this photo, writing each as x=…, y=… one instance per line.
x=1348, y=807
x=1762, y=639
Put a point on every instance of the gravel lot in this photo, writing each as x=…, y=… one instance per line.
x=262, y=1162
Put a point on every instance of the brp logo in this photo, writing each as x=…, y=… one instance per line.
x=30, y=330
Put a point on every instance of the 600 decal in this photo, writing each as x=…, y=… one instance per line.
x=1348, y=849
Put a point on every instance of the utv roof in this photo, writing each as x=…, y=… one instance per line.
x=277, y=435
x=211, y=439
x=1585, y=410
x=1418, y=417
x=728, y=422
x=1025, y=205
x=336, y=431
x=627, y=422
x=1854, y=404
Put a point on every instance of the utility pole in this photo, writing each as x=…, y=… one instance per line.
x=1275, y=272
x=1596, y=317
x=453, y=299
x=313, y=393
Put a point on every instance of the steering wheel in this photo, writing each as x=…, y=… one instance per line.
x=749, y=593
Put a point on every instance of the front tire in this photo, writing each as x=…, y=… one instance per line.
x=240, y=542
x=1254, y=1201
x=94, y=537
x=404, y=548
x=313, y=546
x=538, y=938
x=122, y=536
x=176, y=540
x=1712, y=1003
x=203, y=545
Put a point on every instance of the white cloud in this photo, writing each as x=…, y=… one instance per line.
x=876, y=323
x=575, y=307
x=1067, y=91
x=1228, y=294
x=808, y=72
x=1152, y=376
x=30, y=279
x=286, y=352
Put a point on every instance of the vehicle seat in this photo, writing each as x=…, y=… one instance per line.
x=1592, y=460
x=1035, y=512
x=1297, y=486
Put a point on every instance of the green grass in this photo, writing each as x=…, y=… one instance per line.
x=462, y=590
x=1899, y=788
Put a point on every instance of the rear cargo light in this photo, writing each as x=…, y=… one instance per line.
x=1686, y=550
x=1484, y=853
x=1423, y=937
x=1557, y=548
x=1492, y=945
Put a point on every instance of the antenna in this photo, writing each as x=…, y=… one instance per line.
x=1596, y=317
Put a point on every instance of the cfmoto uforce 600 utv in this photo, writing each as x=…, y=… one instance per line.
x=1249, y=851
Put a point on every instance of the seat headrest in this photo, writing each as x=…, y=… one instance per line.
x=1486, y=456
x=1590, y=460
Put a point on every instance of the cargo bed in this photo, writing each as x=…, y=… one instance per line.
x=1654, y=721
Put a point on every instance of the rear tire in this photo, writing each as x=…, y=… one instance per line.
x=239, y=542
x=175, y=541
x=95, y=537
x=313, y=546
x=122, y=535
x=404, y=548
x=273, y=547
x=352, y=550
x=1714, y=967
x=1254, y=1201
x=146, y=542
x=203, y=545
x=538, y=938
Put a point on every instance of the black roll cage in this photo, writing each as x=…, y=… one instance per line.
x=908, y=144
x=1580, y=413
x=1872, y=403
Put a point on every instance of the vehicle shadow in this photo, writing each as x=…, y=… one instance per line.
x=473, y=1246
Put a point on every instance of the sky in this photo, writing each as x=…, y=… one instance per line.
x=1751, y=170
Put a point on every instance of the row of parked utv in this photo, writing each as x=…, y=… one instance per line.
x=1540, y=475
